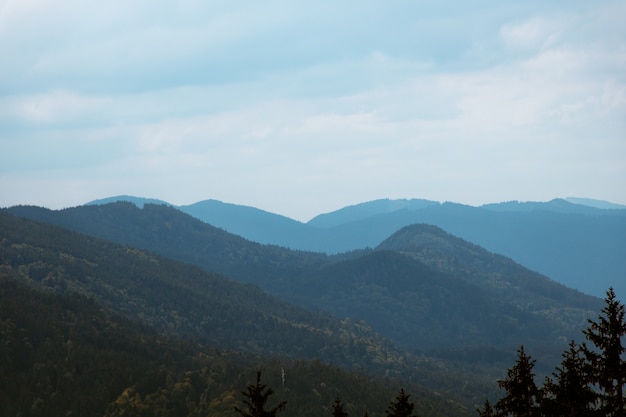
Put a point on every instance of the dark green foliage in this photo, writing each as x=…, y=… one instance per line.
x=66, y=355
x=183, y=300
x=401, y=406
x=487, y=410
x=589, y=382
x=180, y=299
x=255, y=401
x=569, y=393
x=338, y=409
x=522, y=395
x=166, y=375
x=607, y=366
x=464, y=298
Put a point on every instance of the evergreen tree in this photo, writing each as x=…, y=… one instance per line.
x=607, y=365
x=257, y=397
x=522, y=395
x=401, y=406
x=570, y=393
x=486, y=411
x=338, y=409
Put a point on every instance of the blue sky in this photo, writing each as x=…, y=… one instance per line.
x=301, y=108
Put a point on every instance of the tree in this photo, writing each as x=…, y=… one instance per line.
x=401, y=406
x=257, y=397
x=338, y=409
x=522, y=395
x=569, y=394
x=606, y=364
x=486, y=411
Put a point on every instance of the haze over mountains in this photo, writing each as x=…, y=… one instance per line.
x=391, y=287
x=578, y=242
x=422, y=306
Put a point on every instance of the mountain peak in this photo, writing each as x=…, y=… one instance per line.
x=138, y=201
x=368, y=209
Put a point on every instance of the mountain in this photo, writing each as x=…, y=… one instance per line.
x=64, y=354
x=254, y=224
x=497, y=275
x=579, y=245
x=365, y=210
x=169, y=232
x=175, y=298
x=179, y=300
x=601, y=204
x=138, y=201
x=401, y=296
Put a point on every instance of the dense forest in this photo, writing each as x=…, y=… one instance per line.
x=591, y=380
x=179, y=301
x=488, y=291
x=92, y=327
x=63, y=354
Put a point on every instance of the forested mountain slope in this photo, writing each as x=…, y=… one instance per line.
x=579, y=246
x=572, y=241
x=402, y=297
x=169, y=232
x=496, y=274
x=181, y=300
x=63, y=354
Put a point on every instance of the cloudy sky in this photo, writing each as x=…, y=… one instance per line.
x=304, y=107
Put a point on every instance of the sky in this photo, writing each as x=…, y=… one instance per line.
x=301, y=108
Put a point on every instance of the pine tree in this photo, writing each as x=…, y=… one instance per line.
x=257, y=397
x=608, y=370
x=486, y=411
x=522, y=395
x=401, y=406
x=338, y=409
x=569, y=394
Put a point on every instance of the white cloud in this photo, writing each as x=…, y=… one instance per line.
x=254, y=103
x=535, y=33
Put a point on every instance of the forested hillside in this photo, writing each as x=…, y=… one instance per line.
x=65, y=355
x=578, y=245
x=418, y=306
x=181, y=300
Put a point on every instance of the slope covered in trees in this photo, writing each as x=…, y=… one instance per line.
x=400, y=296
x=591, y=380
x=181, y=300
x=565, y=239
x=64, y=354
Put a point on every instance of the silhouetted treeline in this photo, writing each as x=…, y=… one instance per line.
x=590, y=381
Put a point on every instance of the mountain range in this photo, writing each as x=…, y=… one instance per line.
x=423, y=307
x=578, y=242
x=391, y=286
x=104, y=280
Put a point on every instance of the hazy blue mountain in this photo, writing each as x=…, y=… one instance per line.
x=401, y=295
x=556, y=206
x=601, y=204
x=365, y=210
x=138, y=201
x=252, y=223
x=496, y=274
x=582, y=251
x=581, y=246
x=175, y=298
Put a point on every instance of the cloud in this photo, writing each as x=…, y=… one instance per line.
x=256, y=103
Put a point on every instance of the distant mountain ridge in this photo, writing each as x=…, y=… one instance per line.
x=379, y=285
x=60, y=337
x=576, y=243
